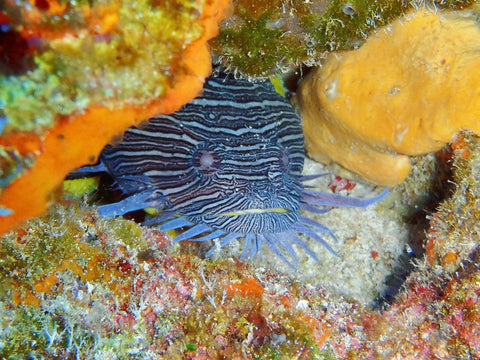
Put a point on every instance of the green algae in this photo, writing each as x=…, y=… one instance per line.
x=134, y=62
x=108, y=308
x=279, y=36
x=23, y=332
x=23, y=256
x=255, y=40
x=127, y=231
x=274, y=37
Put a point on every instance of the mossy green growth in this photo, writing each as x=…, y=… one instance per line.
x=274, y=37
x=23, y=257
x=346, y=24
x=267, y=38
x=128, y=232
x=191, y=347
x=133, y=61
x=22, y=332
x=257, y=45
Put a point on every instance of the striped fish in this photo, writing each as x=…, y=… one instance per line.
x=228, y=165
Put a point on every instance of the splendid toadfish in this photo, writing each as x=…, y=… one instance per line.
x=227, y=166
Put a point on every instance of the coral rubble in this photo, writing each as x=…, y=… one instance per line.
x=368, y=109
x=100, y=69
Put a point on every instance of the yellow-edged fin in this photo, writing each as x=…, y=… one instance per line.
x=77, y=188
x=254, y=211
x=172, y=233
x=277, y=83
x=152, y=211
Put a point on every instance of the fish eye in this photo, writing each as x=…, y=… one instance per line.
x=206, y=161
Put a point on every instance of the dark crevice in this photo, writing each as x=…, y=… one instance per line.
x=418, y=223
x=15, y=54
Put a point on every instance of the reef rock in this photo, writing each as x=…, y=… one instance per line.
x=407, y=91
x=100, y=70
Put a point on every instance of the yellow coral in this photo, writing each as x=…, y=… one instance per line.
x=406, y=91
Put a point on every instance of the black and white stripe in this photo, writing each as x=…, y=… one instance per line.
x=256, y=140
x=227, y=165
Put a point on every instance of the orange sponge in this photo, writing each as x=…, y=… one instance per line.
x=78, y=139
x=406, y=91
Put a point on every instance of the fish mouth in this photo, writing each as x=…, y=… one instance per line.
x=254, y=211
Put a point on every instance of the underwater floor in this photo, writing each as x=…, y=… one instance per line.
x=405, y=283
x=74, y=283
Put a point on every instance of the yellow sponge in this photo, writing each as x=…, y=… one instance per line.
x=406, y=91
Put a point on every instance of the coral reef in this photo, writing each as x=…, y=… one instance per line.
x=368, y=109
x=74, y=285
x=455, y=228
x=96, y=73
x=111, y=288
x=436, y=315
x=264, y=38
x=90, y=54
